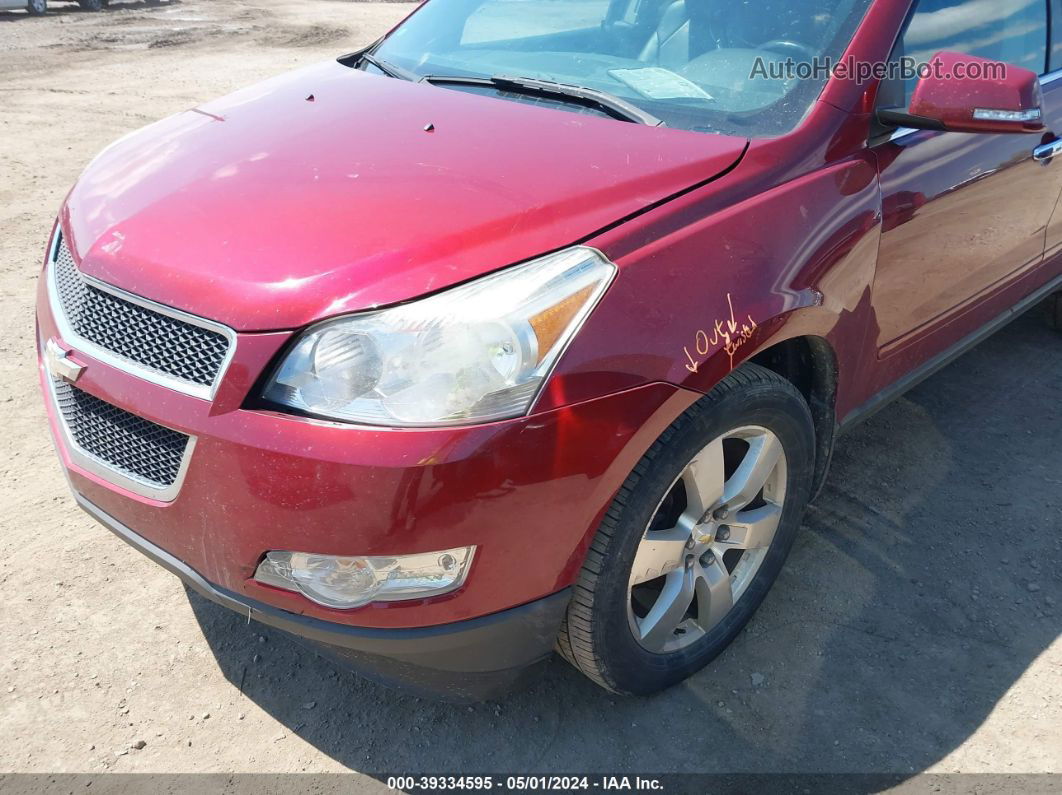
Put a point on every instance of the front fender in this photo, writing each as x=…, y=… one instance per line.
x=689, y=306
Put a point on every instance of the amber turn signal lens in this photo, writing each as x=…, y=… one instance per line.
x=549, y=325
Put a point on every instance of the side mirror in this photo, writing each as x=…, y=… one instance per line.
x=963, y=93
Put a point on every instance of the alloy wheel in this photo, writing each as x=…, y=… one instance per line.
x=707, y=539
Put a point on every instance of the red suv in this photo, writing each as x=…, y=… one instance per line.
x=533, y=325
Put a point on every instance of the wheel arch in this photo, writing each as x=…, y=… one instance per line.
x=809, y=362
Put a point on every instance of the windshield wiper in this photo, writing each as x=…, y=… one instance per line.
x=611, y=104
x=592, y=97
x=389, y=69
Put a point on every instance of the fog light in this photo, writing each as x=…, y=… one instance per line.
x=346, y=582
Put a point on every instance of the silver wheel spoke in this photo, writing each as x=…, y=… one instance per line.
x=674, y=596
x=658, y=554
x=715, y=596
x=667, y=613
x=688, y=521
x=704, y=479
x=753, y=529
x=763, y=455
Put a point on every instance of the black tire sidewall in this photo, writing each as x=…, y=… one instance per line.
x=628, y=666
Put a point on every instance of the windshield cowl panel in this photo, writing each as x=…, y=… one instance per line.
x=706, y=67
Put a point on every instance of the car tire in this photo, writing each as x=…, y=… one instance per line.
x=37, y=8
x=616, y=628
x=93, y=5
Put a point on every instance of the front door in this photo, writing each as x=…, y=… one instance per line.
x=963, y=215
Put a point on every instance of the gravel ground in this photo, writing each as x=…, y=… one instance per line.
x=915, y=629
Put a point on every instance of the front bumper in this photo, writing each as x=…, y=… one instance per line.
x=469, y=660
x=527, y=493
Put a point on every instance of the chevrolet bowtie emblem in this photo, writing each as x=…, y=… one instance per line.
x=60, y=364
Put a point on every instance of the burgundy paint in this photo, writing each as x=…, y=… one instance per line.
x=247, y=212
x=347, y=204
x=954, y=102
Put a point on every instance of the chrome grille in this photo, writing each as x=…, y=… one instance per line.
x=157, y=342
x=133, y=447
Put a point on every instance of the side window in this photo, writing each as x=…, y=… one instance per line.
x=1012, y=31
x=494, y=19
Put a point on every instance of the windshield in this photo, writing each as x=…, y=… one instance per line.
x=701, y=65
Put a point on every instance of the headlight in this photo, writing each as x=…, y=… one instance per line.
x=476, y=352
x=348, y=582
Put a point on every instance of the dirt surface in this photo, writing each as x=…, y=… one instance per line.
x=916, y=627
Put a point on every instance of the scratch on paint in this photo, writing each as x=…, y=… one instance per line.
x=208, y=114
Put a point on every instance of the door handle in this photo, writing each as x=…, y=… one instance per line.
x=1046, y=153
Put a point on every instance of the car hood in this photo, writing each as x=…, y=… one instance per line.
x=330, y=190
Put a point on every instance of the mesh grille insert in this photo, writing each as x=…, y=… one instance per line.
x=152, y=340
x=128, y=444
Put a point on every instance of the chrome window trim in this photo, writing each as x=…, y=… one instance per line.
x=903, y=132
x=68, y=334
x=97, y=466
x=1051, y=77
